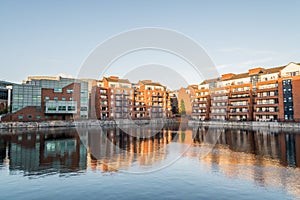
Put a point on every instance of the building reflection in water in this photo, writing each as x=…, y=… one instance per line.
x=111, y=149
x=260, y=156
x=267, y=145
x=265, y=157
x=43, y=152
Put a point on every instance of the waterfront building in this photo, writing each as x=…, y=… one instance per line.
x=259, y=94
x=201, y=102
x=151, y=100
x=174, y=103
x=42, y=98
x=289, y=91
x=5, y=97
x=219, y=103
x=185, y=99
x=116, y=98
x=266, y=103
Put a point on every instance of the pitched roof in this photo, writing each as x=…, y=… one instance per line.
x=275, y=69
x=238, y=76
x=116, y=79
x=209, y=81
x=149, y=82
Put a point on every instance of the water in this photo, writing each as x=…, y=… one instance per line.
x=174, y=163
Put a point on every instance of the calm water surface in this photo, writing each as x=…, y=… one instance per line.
x=175, y=163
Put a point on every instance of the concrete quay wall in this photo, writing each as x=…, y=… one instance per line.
x=83, y=123
x=283, y=126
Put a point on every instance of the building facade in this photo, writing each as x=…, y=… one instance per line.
x=116, y=98
x=49, y=98
x=5, y=97
x=259, y=95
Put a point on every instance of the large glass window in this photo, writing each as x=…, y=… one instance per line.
x=71, y=108
x=61, y=108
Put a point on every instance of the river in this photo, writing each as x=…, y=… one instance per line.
x=171, y=163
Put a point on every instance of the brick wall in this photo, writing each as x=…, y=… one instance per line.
x=33, y=113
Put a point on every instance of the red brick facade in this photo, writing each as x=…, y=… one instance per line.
x=33, y=113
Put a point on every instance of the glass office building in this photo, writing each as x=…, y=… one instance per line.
x=29, y=93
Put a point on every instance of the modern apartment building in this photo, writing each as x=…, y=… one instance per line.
x=151, y=100
x=201, y=102
x=186, y=97
x=49, y=98
x=119, y=93
x=259, y=94
x=117, y=98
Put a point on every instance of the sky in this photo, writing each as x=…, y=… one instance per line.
x=55, y=37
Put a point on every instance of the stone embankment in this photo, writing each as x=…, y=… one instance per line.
x=283, y=126
x=83, y=124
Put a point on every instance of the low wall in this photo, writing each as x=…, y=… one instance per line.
x=85, y=123
x=284, y=126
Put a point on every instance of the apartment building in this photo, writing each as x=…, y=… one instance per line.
x=151, y=99
x=186, y=97
x=289, y=91
x=219, y=103
x=42, y=98
x=114, y=98
x=266, y=105
x=117, y=98
x=259, y=94
x=201, y=102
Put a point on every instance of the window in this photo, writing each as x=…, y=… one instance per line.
x=29, y=116
x=20, y=117
x=62, y=108
x=55, y=98
x=38, y=116
x=70, y=91
x=57, y=90
x=46, y=98
x=52, y=108
x=83, y=108
x=71, y=99
x=71, y=108
x=28, y=137
x=63, y=98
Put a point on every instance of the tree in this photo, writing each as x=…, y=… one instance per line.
x=182, y=108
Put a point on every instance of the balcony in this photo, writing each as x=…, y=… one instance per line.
x=60, y=107
x=241, y=92
x=103, y=97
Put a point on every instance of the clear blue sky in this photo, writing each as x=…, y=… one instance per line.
x=52, y=37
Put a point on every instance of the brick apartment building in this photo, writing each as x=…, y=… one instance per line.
x=260, y=95
x=185, y=99
x=116, y=98
x=151, y=100
x=201, y=102
x=48, y=98
x=112, y=98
